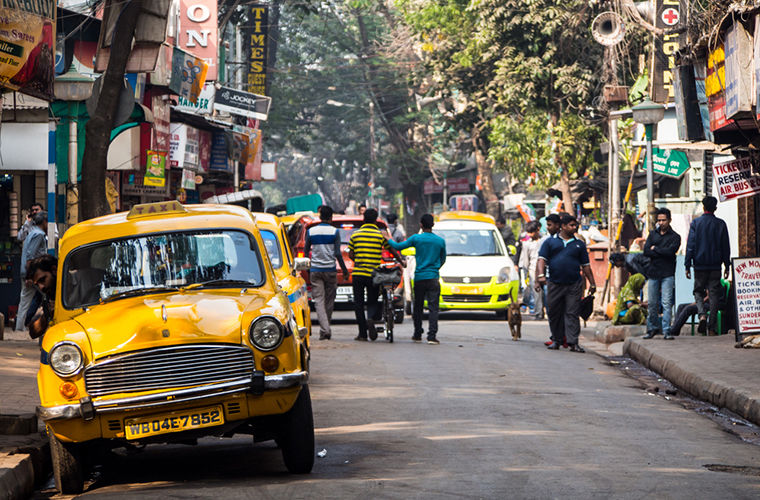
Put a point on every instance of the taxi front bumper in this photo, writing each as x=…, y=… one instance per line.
x=258, y=383
x=488, y=296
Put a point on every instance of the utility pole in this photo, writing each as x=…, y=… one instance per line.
x=372, y=155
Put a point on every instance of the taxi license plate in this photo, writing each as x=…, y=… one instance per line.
x=467, y=290
x=137, y=428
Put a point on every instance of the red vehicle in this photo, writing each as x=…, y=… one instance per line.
x=347, y=224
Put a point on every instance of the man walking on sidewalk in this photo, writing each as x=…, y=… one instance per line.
x=565, y=257
x=365, y=248
x=323, y=240
x=430, y=254
x=707, y=248
x=552, y=227
x=661, y=247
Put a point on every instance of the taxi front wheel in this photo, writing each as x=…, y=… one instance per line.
x=67, y=466
x=296, y=435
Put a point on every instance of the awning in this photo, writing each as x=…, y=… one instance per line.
x=235, y=197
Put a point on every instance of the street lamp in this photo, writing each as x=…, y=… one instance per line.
x=649, y=113
x=73, y=87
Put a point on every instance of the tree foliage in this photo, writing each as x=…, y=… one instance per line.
x=519, y=72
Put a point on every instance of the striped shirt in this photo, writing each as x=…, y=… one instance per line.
x=367, y=243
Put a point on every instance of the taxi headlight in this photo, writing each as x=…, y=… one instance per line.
x=503, y=275
x=266, y=333
x=65, y=359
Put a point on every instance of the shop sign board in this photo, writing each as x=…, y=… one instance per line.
x=27, y=47
x=238, y=102
x=735, y=179
x=198, y=32
x=161, y=124
x=256, y=35
x=716, y=106
x=746, y=280
x=177, y=145
x=188, y=179
x=188, y=75
x=454, y=185
x=204, y=105
x=268, y=171
x=739, y=59
x=155, y=168
x=204, y=151
x=220, y=153
x=669, y=162
x=670, y=16
x=757, y=65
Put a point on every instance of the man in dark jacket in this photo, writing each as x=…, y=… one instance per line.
x=661, y=247
x=707, y=248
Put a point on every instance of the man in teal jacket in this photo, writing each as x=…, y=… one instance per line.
x=430, y=254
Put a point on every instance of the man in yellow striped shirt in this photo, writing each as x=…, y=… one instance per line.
x=365, y=248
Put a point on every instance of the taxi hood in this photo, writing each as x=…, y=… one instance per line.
x=148, y=321
x=481, y=265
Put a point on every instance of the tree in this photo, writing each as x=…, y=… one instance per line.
x=98, y=128
x=499, y=61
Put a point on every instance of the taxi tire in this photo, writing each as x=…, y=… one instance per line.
x=67, y=466
x=296, y=435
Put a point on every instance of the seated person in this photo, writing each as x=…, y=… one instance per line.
x=686, y=311
x=634, y=263
x=628, y=310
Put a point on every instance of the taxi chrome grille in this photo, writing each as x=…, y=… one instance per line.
x=169, y=367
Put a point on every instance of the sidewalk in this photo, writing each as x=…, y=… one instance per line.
x=24, y=453
x=708, y=368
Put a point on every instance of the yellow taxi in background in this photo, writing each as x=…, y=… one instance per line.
x=479, y=273
x=169, y=325
x=287, y=268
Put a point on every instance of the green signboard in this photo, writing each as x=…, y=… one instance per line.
x=670, y=162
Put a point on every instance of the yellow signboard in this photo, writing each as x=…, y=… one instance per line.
x=27, y=46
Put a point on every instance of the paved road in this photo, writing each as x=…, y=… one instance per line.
x=478, y=416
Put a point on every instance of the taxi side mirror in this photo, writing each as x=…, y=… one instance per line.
x=302, y=264
x=408, y=251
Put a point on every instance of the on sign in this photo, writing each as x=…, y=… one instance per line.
x=198, y=32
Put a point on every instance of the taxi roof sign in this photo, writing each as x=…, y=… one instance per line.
x=466, y=215
x=158, y=208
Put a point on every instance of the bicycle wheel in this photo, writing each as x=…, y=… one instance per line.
x=388, y=313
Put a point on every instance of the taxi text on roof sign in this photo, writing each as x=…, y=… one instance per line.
x=160, y=208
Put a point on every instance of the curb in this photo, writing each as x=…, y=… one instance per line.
x=717, y=393
x=24, y=456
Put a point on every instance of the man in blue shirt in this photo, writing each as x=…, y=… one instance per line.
x=565, y=257
x=323, y=241
x=430, y=254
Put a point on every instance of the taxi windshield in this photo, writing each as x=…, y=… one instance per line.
x=472, y=242
x=152, y=263
x=273, y=248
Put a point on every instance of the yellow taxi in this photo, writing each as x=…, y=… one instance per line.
x=478, y=273
x=169, y=325
x=287, y=267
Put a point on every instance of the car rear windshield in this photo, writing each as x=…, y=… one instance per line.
x=150, y=263
x=474, y=242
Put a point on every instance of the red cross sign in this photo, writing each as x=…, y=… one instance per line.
x=670, y=16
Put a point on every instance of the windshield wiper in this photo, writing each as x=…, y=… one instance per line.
x=457, y=254
x=138, y=291
x=201, y=284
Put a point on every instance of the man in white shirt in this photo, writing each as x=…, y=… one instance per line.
x=528, y=261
